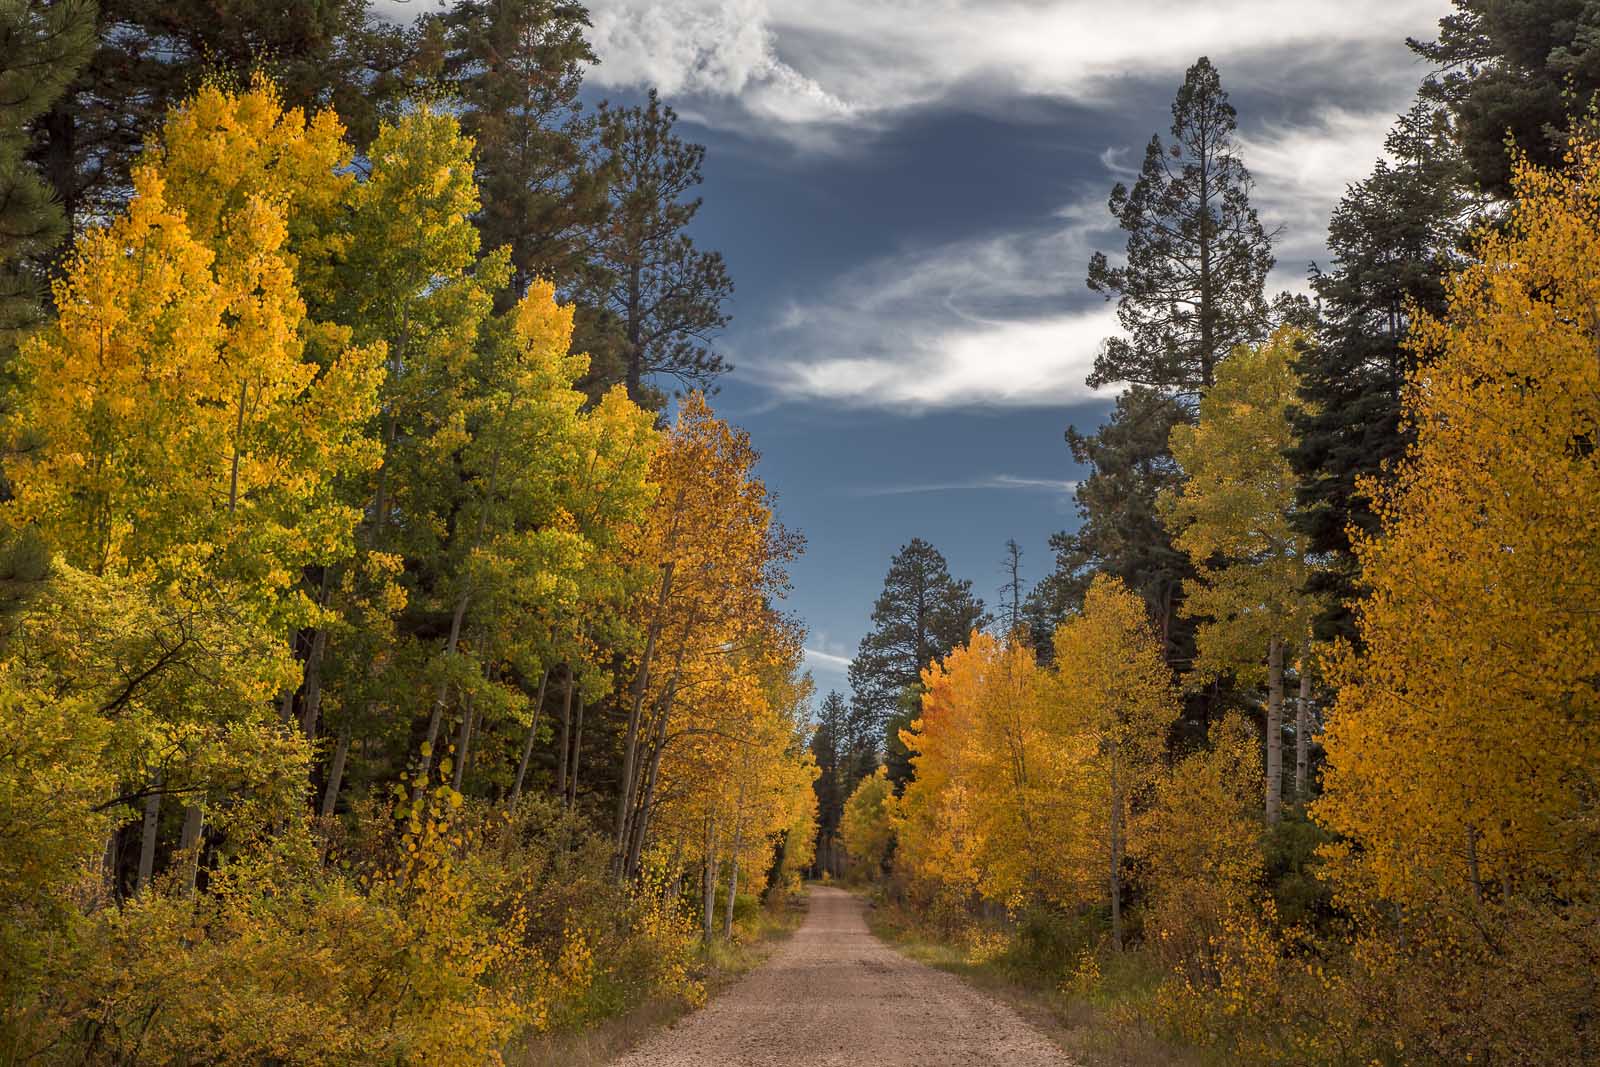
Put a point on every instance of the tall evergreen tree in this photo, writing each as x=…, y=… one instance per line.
x=1393, y=237
x=664, y=295
x=829, y=746
x=516, y=66
x=1011, y=614
x=151, y=54
x=42, y=46
x=921, y=615
x=1523, y=68
x=1120, y=532
x=1191, y=287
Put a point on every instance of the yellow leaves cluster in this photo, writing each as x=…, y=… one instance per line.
x=1234, y=515
x=1464, y=745
x=1025, y=777
x=867, y=825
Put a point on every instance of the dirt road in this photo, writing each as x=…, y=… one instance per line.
x=834, y=995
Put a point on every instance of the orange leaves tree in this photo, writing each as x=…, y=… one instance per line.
x=1026, y=778
x=1464, y=744
x=713, y=708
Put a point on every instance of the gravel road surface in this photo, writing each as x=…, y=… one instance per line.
x=835, y=996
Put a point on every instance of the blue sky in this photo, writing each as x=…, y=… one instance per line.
x=907, y=193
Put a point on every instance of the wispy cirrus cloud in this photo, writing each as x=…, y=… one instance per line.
x=1006, y=482
x=829, y=659
x=998, y=321
x=1303, y=168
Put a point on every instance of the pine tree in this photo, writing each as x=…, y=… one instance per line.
x=1393, y=237
x=1190, y=290
x=664, y=295
x=921, y=615
x=1011, y=614
x=828, y=746
x=1527, y=69
x=1121, y=532
x=516, y=67
x=152, y=54
x=42, y=46
x=1191, y=287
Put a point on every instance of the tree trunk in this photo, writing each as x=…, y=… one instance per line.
x=625, y=794
x=733, y=866
x=577, y=751
x=641, y=818
x=108, y=865
x=566, y=736
x=147, y=839
x=1115, y=882
x=527, y=747
x=463, y=744
x=435, y=719
x=189, y=845
x=1274, y=730
x=313, y=699
x=462, y=601
x=1302, y=731
x=330, y=791
x=1207, y=308
x=708, y=881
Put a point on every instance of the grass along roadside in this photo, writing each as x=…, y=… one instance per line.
x=758, y=930
x=1090, y=1007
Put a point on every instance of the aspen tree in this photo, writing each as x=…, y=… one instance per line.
x=1234, y=516
x=1116, y=699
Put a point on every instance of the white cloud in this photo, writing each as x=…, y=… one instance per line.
x=1303, y=169
x=724, y=48
x=1005, y=482
x=985, y=322
x=817, y=657
x=792, y=63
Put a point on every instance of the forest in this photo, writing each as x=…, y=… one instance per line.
x=394, y=659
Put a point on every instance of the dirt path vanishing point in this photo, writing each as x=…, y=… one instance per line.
x=834, y=995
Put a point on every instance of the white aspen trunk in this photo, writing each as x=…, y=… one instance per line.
x=313, y=704
x=330, y=791
x=437, y=717
x=625, y=795
x=733, y=866
x=108, y=867
x=147, y=838
x=1115, y=880
x=566, y=736
x=577, y=751
x=1274, y=805
x=463, y=744
x=527, y=747
x=461, y=609
x=189, y=845
x=708, y=880
x=1302, y=731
